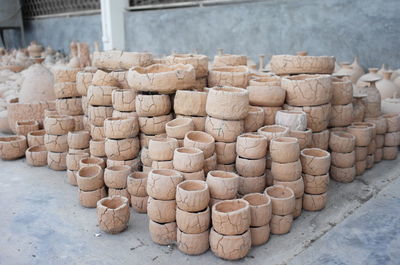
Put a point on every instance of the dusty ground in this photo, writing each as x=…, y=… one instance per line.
x=41, y=222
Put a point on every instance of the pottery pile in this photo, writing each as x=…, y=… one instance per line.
x=342, y=148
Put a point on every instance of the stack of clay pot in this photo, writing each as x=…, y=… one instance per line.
x=364, y=133
x=137, y=183
x=251, y=150
x=191, y=104
x=161, y=206
x=36, y=154
x=343, y=154
x=226, y=107
x=315, y=163
x=392, y=136
x=229, y=70
x=69, y=101
x=230, y=236
x=378, y=143
x=113, y=214
x=192, y=216
x=83, y=81
x=78, y=143
x=286, y=167
x=342, y=106
x=56, y=139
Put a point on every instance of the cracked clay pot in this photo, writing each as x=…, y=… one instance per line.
x=113, y=214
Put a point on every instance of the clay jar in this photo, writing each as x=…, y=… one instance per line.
x=230, y=247
x=12, y=147
x=113, y=214
x=24, y=127
x=69, y=106
x=251, y=146
x=90, y=178
x=116, y=176
x=97, y=114
x=200, y=140
x=36, y=156
x=231, y=217
x=286, y=171
x=228, y=103
x=78, y=139
x=273, y=131
x=37, y=138
x=161, y=183
x=136, y=184
x=192, y=195
x=178, y=127
x=189, y=102
x=59, y=124
x=315, y=161
x=152, y=105
x=235, y=76
x=188, y=159
x=362, y=133
x=284, y=149
x=162, y=149
x=260, y=208
x=282, y=198
x=223, y=185
x=120, y=128
x=342, y=142
x=294, y=120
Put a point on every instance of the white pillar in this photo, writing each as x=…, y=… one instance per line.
x=112, y=24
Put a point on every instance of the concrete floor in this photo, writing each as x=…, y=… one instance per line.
x=41, y=222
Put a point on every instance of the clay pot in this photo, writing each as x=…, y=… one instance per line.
x=36, y=156
x=237, y=99
x=188, y=102
x=154, y=125
x=363, y=134
x=69, y=106
x=251, y=146
x=316, y=184
x=380, y=124
x=73, y=159
x=210, y=163
x=192, y=195
x=120, y=128
x=280, y=225
x=97, y=114
x=97, y=132
x=378, y=156
x=139, y=204
x=145, y=158
x=59, y=124
x=259, y=235
x=273, y=131
x=314, y=202
x=264, y=80
x=161, y=183
x=342, y=142
x=251, y=184
x=91, y=161
x=97, y=148
x=298, y=64
x=361, y=166
x=36, y=138
x=193, y=244
x=286, y=171
x=162, y=234
x=223, y=185
x=161, y=78
x=260, y=208
x=317, y=116
x=90, y=178
x=193, y=223
x=71, y=177
x=390, y=152
x=282, y=198
x=78, y=139
x=145, y=139
x=102, y=78
x=234, y=76
x=229, y=60
x=23, y=127
x=269, y=114
x=83, y=81
x=116, y=60
x=254, y=120
x=162, y=149
x=250, y=167
x=152, y=105
x=57, y=161
x=294, y=120
x=123, y=149
x=266, y=95
x=116, y=176
x=392, y=121
x=344, y=175
x=188, y=159
x=379, y=140
x=341, y=115
x=315, y=161
x=66, y=90
x=230, y=247
x=202, y=141
x=284, y=149
x=198, y=61
x=12, y=147
x=56, y=143
x=226, y=152
x=178, y=127
x=137, y=183
x=361, y=152
x=296, y=186
x=123, y=99
x=342, y=91
x=113, y=214
x=320, y=140
x=161, y=211
x=231, y=217
x=89, y=199
x=224, y=130
x=343, y=159
x=304, y=138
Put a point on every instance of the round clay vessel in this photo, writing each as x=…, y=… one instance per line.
x=342, y=91
x=251, y=184
x=59, y=124
x=224, y=130
x=12, y=147
x=254, y=120
x=36, y=138
x=90, y=161
x=361, y=166
x=36, y=156
x=162, y=149
x=282, y=198
x=296, y=186
x=190, y=102
x=23, y=127
x=116, y=60
x=294, y=120
x=113, y=214
x=284, y=149
x=152, y=105
x=380, y=124
x=266, y=95
x=73, y=159
x=230, y=247
x=361, y=152
x=188, y=159
x=162, y=234
x=56, y=143
x=83, y=81
x=227, y=103
x=161, y=183
x=314, y=202
x=280, y=225
x=116, y=176
x=139, y=204
x=78, y=139
x=392, y=121
x=193, y=223
x=161, y=211
x=341, y=115
x=178, y=127
x=370, y=125
x=342, y=142
x=120, y=128
x=344, y=175
x=316, y=184
x=251, y=146
x=343, y=159
x=303, y=137
x=233, y=76
x=202, y=141
x=90, y=178
x=250, y=167
x=192, y=244
x=123, y=99
x=137, y=183
x=223, y=185
x=89, y=199
x=192, y=195
x=65, y=90
x=320, y=140
x=154, y=125
x=286, y=171
x=318, y=117
x=259, y=235
x=315, y=161
x=123, y=149
x=299, y=64
x=363, y=134
x=57, y=161
x=231, y=217
x=260, y=208
x=390, y=152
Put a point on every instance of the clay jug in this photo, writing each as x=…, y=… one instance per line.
x=358, y=69
x=386, y=86
x=372, y=74
x=373, y=99
x=359, y=107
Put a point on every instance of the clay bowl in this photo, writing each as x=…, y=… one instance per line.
x=178, y=127
x=193, y=223
x=26, y=126
x=90, y=178
x=116, y=176
x=161, y=183
x=36, y=156
x=315, y=161
x=12, y=147
x=136, y=184
x=201, y=140
x=231, y=217
x=36, y=138
x=251, y=146
x=282, y=198
x=90, y=161
x=120, y=128
x=223, y=185
x=188, y=159
x=113, y=214
x=260, y=208
x=362, y=133
x=192, y=195
x=284, y=149
x=230, y=247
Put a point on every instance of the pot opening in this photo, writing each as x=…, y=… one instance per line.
x=222, y=174
x=89, y=171
x=230, y=206
x=188, y=150
x=192, y=185
x=201, y=137
x=113, y=202
x=37, y=133
x=91, y=160
x=314, y=152
x=37, y=148
x=256, y=199
x=138, y=175
x=279, y=192
x=273, y=129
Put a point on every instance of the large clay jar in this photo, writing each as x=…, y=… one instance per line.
x=161, y=78
x=267, y=95
x=152, y=105
x=161, y=183
x=251, y=146
x=294, y=120
x=282, y=198
x=224, y=130
x=198, y=61
x=36, y=156
x=315, y=161
x=113, y=214
x=317, y=116
x=260, y=208
x=341, y=115
x=178, y=127
x=228, y=103
x=231, y=217
x=59, y=124
x=119, y=128
x=387, y=88
x=233, y=76
x=192, y=195
x=223, y=185
x=273, y=131
x=284, y=149
x=307, y=90
x=342, y=142
x=230, y=247
x=188, y=159
x=342, y=90
x=193, y=223
x=299, y=64
x=12, y=147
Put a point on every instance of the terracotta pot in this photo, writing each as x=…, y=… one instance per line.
x=56, y=143
x=163, y=234
x=202, y=141
x=344, y=175
x=298, y=64
x=361, y=166
x=378, y=155
x=320, y=140
x=12, y=147
x=269, y=114
x=73, y=160
x=97, y=132
x=223, y=185
x=123, y=149
x=119, y=192
x=161, y=184
x=192, y=244
x=139, y=204
x=342, y=142
x=59, y=124
x=251, y=184
x=162, y=149
x=273, y=131
x=89, y=199
x=36, y=138
x=198, y=61
x=317, y=184
x=229, y=60
x=284, y=149
x=115, y=60
x=266, y=95
x=36, y=156
x=190, y=102
x=69, y=106
x=161, y=78
x=91, y=161
x=198, y=175
x=136, y=184
x=161, y=211
x=97, y=114
x=57, y=161
x=78, y=139
x=361, y=153
x=254, y=120
x=97, y=148
x=123, y=99
x=226, y=152
x=230, y=247
x=342, y=91
x=314, y=202
x=304, y=138
x=380, y=124
x=116, y=176
x=193, y=223
x=23, y=127
x=280, y=225
x=65, y=74
x=66, y=90
x=224, y=130
x=152, y=105
x=251, y=146
x=113, y=214
x=343, y=159
x=260, y=209
x=296, y=186
x=90, y=178
x=286, y=171
x=188, y=159
x=282, y=198
x=341, y=115
x=178, y=127
x=154, y=125
x=294, y=120
x=120, y=128
x=392, y=121
x=210, y=163
x=259, y=235
x=315, y=161
x=237, y=108
x=298, y=207
x=317, y=116
x=250, y=167
x=231, y=217
x=192, y=195
x=235, y=76
x=363, y=134
x=83, y=81
x=390, y=152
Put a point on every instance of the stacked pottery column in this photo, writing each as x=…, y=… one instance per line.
x=342, y=147
x=342, y=106
x=363, y=132
x=392, y=136
x=78, y=143
x=83, y=81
